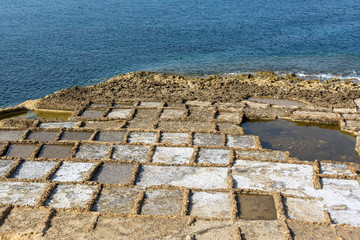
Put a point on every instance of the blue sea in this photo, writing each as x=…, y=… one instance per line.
x=46, y=46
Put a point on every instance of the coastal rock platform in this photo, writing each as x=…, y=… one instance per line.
x=135, y=168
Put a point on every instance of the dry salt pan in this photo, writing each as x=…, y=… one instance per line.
x=173, y=155
x=72, y=171
x=191, y=177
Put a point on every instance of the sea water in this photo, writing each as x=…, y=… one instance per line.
x=49, y=45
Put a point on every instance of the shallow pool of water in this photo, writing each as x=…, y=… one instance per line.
x=306, y=141
x=37, y=114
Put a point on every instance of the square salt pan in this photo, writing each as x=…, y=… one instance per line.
x=181, y=176
x=92, y=114
x=208, y=139
x=72, y=171
x=20, y=150
x=240, y=141
x=116, y=200
x=342, y=200
x=173, y=155
x=21, y=193
x=130, y=152
x=43, y=135
x=55, y=151
x=58, y=125
x=142, y=137
x=256, y=206
x=11, y=135
x=334, y=168
x=174, y=138
x=110, y=136
x=92, y=152
x=216, y=156
x=273, y=155
x=216, y=204
x=304, y=209
x=33, y=170
x=162, y=202
x=75, y=136
x=99, y=105
x=172, y=114
x=287, y=178
x=114, y=173
x=69, y=196
x=151, y=104
x=119, y=113
x=5, y=165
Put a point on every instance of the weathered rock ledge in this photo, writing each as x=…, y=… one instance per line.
x=176, y=88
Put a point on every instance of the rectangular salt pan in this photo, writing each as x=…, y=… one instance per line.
x=287, y=178
x=162, y=202
x=210, y=205
x=11, y=135
x=33, y=170
x=172, y=155
x=240, y=141
x=116, y=200
x=92, y=151
x=72, y=171
x=21, y=193
x=58, y=125
x=69, y=196
x=191, y=177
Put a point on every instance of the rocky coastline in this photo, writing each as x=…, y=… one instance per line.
x=215, y=88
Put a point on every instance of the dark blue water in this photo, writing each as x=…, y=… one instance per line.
x=49, y=45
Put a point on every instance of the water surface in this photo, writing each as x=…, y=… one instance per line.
x=306, y=141
x=49, y=45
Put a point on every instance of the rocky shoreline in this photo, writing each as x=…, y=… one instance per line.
x=215, y=88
